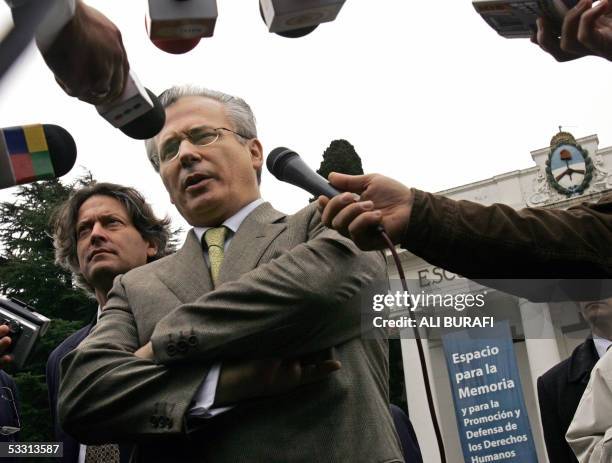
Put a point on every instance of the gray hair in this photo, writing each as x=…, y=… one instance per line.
x=238, y=112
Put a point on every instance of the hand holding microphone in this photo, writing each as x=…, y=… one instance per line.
x=87, y=57
x=586, y=30
x=89, y=62
x=382, y=201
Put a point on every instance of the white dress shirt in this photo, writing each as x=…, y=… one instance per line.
x=205, y=395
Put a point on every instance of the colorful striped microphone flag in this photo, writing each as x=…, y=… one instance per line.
x=28, y=152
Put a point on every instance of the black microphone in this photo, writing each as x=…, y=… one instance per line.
x=34, y=152
x=287, y=166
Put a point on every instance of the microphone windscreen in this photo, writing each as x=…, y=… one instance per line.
x=62, y=148
x=149, y=124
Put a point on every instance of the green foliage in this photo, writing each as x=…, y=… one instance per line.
x=28, y=272
x=341, y=157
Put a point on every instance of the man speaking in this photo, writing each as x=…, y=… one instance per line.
x=249, y=282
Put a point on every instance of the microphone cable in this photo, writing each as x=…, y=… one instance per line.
x=417, y=338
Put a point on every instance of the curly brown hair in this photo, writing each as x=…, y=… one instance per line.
x=64, y=221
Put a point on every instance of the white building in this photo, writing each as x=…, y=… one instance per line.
x=575, y=167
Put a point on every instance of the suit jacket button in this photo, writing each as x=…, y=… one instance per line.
x=171, y=349
x=182, y=345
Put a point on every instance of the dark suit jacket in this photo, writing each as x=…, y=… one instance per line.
x=471, y=239
x=71, y=446
x=7, y=413
x=560, y=390
x=407, y=436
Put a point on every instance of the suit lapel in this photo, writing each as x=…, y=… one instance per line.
x=254, y=236
x=187, y=275
x=582, y=361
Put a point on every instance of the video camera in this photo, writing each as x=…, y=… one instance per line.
x=26, y=326
x=517, y=18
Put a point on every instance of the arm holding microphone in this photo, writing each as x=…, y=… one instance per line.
x=586, y=30
x=86, y=55
x=470, y=239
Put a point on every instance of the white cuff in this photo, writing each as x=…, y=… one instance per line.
x=205, y=396
x=59, y=14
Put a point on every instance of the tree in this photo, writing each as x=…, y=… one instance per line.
x=28, y=273
x=341, y=157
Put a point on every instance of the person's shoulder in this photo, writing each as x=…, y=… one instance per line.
x=6, y=380
x=309, y=214
x=145, y=271
x=69, y=344
x=557, y=373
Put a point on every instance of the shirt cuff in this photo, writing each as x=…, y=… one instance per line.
x=205, y=396
x=57, y=17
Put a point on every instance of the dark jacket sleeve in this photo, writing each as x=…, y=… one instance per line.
x=498, y=242
x=554, y=436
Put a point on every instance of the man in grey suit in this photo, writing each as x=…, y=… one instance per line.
x=275, y=285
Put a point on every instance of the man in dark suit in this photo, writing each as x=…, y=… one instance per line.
x=128, y=235
x=561, y=388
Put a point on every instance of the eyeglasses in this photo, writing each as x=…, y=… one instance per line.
x=7, y=394
x=198, y=136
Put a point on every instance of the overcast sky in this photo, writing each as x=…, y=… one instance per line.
x=426, y=92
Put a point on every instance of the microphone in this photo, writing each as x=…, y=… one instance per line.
x=297, y=18
x=34, y=152
x=137, y=112
x=287, y=166
x=176, y=26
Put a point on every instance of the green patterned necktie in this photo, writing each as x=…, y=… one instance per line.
x=215, y=240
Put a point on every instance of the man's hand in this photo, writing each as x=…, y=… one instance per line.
x=586, y=30
x=88, y=57
x=145, y=352
x=382, y=201
x=258, y=378
x=5, y=342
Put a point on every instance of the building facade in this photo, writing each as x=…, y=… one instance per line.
x=566, y=173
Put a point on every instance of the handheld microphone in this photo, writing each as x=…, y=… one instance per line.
x=287, y=166
x=34, y=152
x=297, y=18
x=176, y=26
x=137, y=112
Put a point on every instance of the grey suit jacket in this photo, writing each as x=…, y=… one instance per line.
x=287, y=287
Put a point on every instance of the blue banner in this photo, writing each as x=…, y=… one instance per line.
x=489, y=403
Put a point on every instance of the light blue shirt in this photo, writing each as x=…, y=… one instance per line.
x=601, y=345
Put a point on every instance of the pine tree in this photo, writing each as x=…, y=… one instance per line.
x=341, y=157
x=28, y=273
